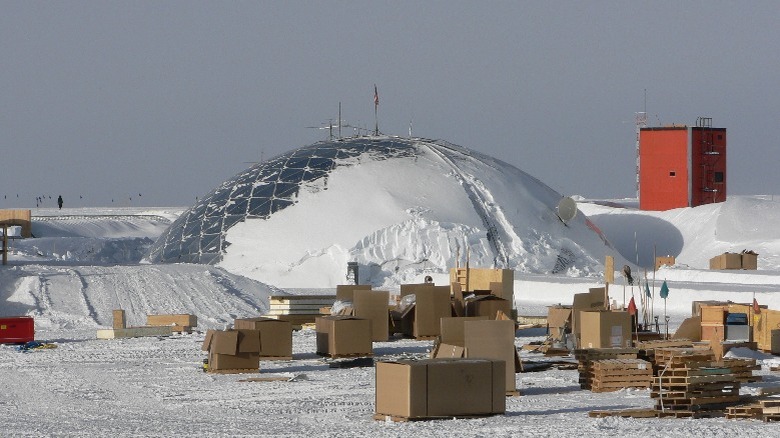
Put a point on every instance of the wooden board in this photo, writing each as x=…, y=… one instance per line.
x=133, y=332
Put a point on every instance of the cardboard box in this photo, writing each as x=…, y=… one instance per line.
x=605, y=329
x=181, y=320
x=240, y=361
x=232, y=341
x=559, y=316
x=410, y=288
x=275, y=335
x=432, y=303
x=232, y=349
x=727, y=260
x=664, y=261
x=440, y=388
x=374, y=306
x=344, y=291
x=488, y=305
x=750, y=260
x=343, y=336
x=492, y=339
x=594, y=299
x=499, y=281
x=448, y=351
x=452, y=329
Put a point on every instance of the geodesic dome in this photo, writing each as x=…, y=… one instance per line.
x=394, y=205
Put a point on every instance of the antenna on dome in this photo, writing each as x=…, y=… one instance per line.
x=567, y=209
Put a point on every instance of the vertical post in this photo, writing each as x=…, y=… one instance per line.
x=376, y=105
x=5, y=244
x=119, y=319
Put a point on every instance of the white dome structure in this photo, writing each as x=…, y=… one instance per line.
x=396, y=206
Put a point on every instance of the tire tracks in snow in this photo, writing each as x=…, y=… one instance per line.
x=83, y=293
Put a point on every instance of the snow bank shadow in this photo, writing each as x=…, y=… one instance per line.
x=547, y=412
x=650, y=231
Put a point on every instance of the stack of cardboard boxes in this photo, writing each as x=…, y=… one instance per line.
x=241, y=349
x=732, y=260
x=233, y=351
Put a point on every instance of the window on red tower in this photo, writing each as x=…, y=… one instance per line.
x=718, y=177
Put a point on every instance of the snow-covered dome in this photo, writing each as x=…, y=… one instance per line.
x=397, y=206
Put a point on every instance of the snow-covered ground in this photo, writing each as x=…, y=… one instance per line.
x=84, y=263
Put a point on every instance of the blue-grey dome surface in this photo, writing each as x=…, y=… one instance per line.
x=198, y=235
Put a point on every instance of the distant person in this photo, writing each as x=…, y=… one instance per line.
x=59, y=202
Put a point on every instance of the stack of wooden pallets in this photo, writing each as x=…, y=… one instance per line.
x=690, y=383
x=743, y=369
x=767, y=410
x=586, y=357
x=298, y=309
x=615, y=374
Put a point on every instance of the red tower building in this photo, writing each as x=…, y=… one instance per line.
x=681, y=166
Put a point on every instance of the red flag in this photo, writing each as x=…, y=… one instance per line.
x=632, y=307
x=376, y=96
x=756, y=309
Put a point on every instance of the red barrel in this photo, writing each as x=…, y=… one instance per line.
x=17, y=329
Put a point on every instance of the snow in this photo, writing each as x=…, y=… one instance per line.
x=84, y=263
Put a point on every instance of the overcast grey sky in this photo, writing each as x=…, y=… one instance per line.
x=109, y=99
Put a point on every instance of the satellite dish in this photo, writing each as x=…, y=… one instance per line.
x=567, y=209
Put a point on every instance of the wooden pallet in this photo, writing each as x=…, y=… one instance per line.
x=344, y=356
x=625, y=413
x=402, y=419
x=751, y=411
x=236, y=371
x=275, y=357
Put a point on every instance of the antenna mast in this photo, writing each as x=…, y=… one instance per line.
x=641, y=122
x=376, y=105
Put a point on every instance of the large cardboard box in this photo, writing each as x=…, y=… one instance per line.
x=452, y=329
x=275, y=335
x=440, y=388
x=181, y=320
x=492, y=339
x=500, y=282
x=594, y=299
x=374, y=306
x=343, y=336
x=488, y=305
x=605, y=329
x=344, y=291
x=410, y=288
x=232, y=341
x=240, y=361
x=432, y=303
x=727, y=260
x=233, y=349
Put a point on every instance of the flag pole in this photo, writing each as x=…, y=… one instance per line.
x=376, y=105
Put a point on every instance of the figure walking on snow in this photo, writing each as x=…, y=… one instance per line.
x=59, y=202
